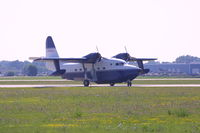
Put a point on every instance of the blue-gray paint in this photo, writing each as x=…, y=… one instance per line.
x=49, y=42
x=108, y=76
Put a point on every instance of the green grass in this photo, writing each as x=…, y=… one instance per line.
x=179, y=112
x=100, y=109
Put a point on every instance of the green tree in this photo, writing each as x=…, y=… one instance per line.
x=187, y=59
x=10, y=73
x=30, y=70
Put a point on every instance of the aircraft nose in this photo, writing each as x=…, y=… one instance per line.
x=134, y=73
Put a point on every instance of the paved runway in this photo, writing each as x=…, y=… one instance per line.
x=101, y=85
x=2, y=80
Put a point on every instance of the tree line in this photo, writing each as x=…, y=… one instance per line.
x=22, y=68
x=26, y=68
x=184, y=59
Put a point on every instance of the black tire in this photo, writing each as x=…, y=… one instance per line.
x=112, y=84
x=86, y=83
x=129, y=83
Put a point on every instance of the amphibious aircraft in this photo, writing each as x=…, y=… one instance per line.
x=93, y=67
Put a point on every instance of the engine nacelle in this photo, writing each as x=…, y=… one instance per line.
x=123, y=56
x=93, y=57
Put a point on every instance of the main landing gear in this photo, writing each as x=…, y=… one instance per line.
x=129, y=83
x=112, y=84
x=86, y=83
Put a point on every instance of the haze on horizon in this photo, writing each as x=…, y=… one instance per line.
x=148, y=28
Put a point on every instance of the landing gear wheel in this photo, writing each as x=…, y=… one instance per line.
x=86, y=83
x=112, y=84
x=129, y=83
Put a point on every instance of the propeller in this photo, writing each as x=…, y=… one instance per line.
x=99, y=59
x=125, y=49
x=125, y=56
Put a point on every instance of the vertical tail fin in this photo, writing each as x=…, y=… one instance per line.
x=52, y=52
x=50, y=48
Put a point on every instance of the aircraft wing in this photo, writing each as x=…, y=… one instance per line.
x=140, y=63
x=70, y=60
x=141, y=59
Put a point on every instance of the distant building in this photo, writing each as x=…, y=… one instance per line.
x=174, y=68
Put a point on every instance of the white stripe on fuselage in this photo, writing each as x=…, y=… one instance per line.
x=103, y=65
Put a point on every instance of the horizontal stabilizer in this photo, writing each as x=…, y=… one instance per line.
x=70, y=60
x=33, y=58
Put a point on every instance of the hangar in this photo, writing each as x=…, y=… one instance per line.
x=174, y=68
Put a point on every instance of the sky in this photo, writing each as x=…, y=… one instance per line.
x=163, y=29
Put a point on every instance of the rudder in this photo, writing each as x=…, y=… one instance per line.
x=52, y=52
x=50, y=48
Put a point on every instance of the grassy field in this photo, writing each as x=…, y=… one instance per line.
x=100, y=110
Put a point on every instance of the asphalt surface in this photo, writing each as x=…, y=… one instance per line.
x=101, y=85
x=2, y=80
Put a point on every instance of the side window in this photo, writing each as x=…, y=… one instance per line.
x=122, y=64
x=119, y=64
x=104, y=68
